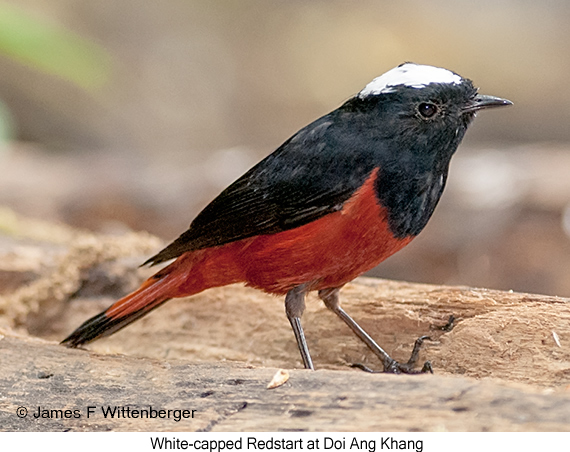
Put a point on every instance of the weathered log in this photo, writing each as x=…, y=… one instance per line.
x=234, y=397
x=504, y=366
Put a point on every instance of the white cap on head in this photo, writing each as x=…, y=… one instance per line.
x=409, y=74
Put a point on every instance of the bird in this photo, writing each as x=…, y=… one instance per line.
x=333, y=201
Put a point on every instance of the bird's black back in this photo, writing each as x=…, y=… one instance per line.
x=320, y=167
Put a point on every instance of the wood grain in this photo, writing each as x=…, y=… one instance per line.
x=505, y=366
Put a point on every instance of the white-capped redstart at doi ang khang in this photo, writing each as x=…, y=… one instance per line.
x=333, y=201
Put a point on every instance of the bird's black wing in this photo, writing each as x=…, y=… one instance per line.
x=311, y=175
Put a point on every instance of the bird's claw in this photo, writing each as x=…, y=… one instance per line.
x=448, y=326
x=394, y=367
x=398, y=368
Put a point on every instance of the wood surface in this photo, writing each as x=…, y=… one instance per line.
x=505, y=366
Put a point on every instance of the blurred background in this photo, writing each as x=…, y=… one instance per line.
x=121, y=114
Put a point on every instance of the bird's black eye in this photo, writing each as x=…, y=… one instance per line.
x=427, y=110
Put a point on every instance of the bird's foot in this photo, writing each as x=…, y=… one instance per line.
x=448, y=326
x=394, y=367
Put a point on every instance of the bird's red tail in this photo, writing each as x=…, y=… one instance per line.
x=151, y=294
x=190, y=274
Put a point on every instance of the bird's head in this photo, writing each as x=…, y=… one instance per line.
x=425, y=107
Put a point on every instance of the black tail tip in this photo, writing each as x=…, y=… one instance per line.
x=102, y=325
x=72, y=341
x=89, y=330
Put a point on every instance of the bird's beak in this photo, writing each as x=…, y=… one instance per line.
x=480, y=101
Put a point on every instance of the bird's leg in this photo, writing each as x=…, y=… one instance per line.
x=294, y=307
x=332, y=301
